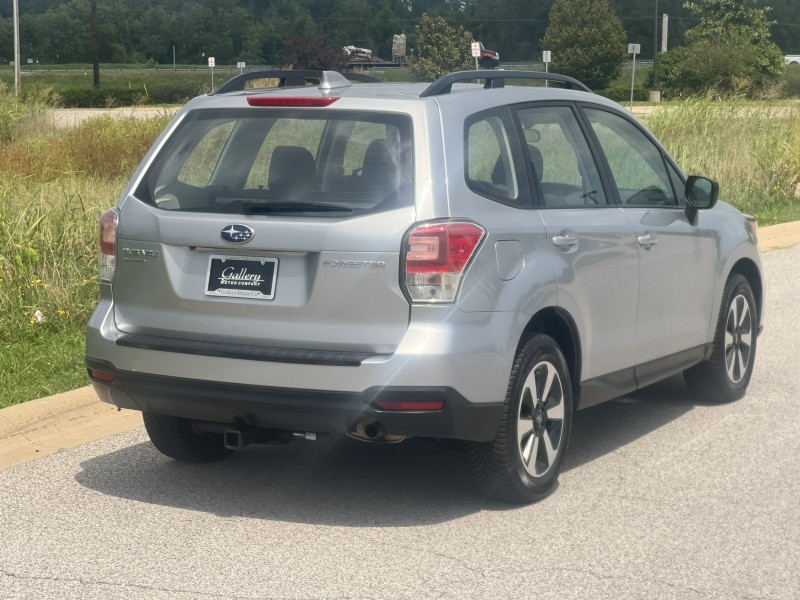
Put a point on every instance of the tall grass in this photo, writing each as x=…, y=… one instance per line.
x=54, y=185
x=751, y=148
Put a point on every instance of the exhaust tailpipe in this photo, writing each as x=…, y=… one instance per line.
x=368, y=429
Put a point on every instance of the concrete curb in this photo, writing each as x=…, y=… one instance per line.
x=774, y=237
x=48, y=425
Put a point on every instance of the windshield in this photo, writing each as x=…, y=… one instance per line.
x=326, y=163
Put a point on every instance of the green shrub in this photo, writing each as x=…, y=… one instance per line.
x=622, y=93
x=103, y=97
x=791, y=81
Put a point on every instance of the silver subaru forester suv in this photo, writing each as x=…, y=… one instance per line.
x=461, y=260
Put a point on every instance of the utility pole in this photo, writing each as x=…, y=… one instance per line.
x=95, y=46
x=655, y=49
x=16, y=47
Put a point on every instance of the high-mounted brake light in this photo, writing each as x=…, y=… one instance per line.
x=108, y=244
x=436, y=256
x=290, y=101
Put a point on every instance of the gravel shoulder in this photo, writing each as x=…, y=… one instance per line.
x=70, y=117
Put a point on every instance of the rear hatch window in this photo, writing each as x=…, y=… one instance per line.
x=283, y=161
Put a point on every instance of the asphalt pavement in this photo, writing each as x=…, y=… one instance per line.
x=661, y=497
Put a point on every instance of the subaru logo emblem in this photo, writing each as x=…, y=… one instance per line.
x=237, y=234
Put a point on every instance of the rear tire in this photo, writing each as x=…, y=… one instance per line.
x=522, y=463
x=724, y=377
x=174, y=437
x=487, y=63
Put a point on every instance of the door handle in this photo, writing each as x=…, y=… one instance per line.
x=647, y=240
x=565, y=241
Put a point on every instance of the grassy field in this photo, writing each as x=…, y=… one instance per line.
x=55, y=183
x=751, y=148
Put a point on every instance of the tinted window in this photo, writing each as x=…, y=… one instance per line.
x=636, y=162
x=320, y=162
x=560, y=158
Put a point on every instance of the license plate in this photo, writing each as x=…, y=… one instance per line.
x=242, y=277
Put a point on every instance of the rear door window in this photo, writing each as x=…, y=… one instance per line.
x=492, y=166
x=283, y=161
x=560, y=158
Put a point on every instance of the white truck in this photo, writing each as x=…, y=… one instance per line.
x=792, y=59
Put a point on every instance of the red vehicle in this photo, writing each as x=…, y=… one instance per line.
x=489, y=59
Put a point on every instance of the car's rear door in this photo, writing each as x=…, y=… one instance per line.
x=591, y=243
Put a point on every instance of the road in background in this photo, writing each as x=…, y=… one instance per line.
x=661, y=497
x=70, y=117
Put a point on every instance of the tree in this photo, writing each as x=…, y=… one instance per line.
x=381, y=29
x=587, y=41
x=313, y=53
x=440, y=49
x=730, y=51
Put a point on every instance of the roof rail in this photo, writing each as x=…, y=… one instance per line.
x=497, y=79
x=327, y=79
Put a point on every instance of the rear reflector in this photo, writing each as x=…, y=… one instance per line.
x=411, y=405
x=436, y=256
x=102, y=376
x=294, y=102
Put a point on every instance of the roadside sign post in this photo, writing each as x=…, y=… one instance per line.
x=16, y=48
x=476, y=52
x=240, y=65
x=547, y=57
x=211, y=64
x=633, y=49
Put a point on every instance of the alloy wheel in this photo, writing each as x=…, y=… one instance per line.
x=738, y=339
x=540, y=419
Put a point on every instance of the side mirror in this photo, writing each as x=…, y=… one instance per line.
x=701, y=193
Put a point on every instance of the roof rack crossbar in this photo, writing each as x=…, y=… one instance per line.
x=496, y=79
x=328, y=80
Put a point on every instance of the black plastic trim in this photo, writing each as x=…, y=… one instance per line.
x=599, y=389
x=496, y=79
x=320, y=411
x=337, y=358
x=660, y=368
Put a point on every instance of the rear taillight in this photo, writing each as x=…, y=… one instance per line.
x=436, y=256
x=108, y=244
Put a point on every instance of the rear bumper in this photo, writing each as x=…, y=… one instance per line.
x=443, y=347
x=301, y=410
